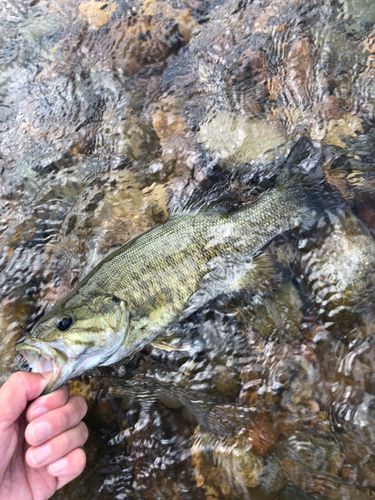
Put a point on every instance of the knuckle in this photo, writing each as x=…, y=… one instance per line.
x=65, y=391
x=56, y=399
x=66, y=417
x=77, y=460
x=59, y=397
x=73, y=411
x=84, y=432
x=81, y=434
x=70, y=441
x=80, y=405
x=74, y=438
x=65, y=441
x=81, y=462
x=62, y=393
x=18, y=379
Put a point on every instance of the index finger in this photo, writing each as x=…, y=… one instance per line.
x=15, y=393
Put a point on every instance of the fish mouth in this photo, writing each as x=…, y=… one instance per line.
x=41, y=357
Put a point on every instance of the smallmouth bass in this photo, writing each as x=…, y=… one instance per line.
x=153, y=281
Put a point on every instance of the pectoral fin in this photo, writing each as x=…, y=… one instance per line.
x=152, y=317
x=155, y=308
x=170, y=343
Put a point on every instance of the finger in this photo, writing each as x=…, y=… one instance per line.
x=57, y=447
x=20, y=388
x=49, y=402
x=56, y=421
x=69, y=467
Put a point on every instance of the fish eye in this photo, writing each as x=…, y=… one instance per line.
x=116, y=300
x=64, y=324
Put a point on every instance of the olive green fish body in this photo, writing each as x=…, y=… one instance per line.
x=148, y=284
x=157, y=273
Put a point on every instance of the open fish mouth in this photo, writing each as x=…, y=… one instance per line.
x=41, y=357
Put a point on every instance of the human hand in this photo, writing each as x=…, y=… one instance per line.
x=40, y=448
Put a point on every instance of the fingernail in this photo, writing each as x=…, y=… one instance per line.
x=41, y=410
x=40, y=454
x=45, y=380
x=40, y=431
x=59, y=465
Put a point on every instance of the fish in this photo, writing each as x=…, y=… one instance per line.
x=132, y=296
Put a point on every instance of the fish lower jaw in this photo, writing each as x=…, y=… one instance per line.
x=41, y=359
x=62, y=361
x=70, y=369
x=39, y=363
x=42, y=363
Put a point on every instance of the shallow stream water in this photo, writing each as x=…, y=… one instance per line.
x=115, y=116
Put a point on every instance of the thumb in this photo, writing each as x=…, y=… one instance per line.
x=20, y=388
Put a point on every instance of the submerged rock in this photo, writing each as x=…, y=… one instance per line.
x=239, y=139
x=224, y=467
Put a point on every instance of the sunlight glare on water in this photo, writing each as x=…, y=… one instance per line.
x=116, y=115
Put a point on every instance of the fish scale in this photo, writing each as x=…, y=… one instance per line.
x=180, y=249
x=167, y=273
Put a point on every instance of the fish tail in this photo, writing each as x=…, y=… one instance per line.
x=304, y=164
x=303, y=178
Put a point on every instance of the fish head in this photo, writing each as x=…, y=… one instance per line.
x=76, y=335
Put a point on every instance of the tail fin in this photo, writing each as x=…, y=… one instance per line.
x=303, y=176
x=304, y=164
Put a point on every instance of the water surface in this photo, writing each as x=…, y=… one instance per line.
x=117, y=115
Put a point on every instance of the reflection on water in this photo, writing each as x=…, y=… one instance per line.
x=116, y=115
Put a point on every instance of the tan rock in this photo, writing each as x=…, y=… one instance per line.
x=96, y=13
x=337, y=132
x=155, y=202
x=224, y=467
x=14, y=316
x=242, y=138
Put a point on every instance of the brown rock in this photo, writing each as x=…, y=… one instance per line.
x=249, y=393
x=155, y=202
x=144, y=40
x=185, y=21
x=307, y=350
x=262, y=435
x=298, y=71
x=258, y=64
x=329, y=108
x=177, y=140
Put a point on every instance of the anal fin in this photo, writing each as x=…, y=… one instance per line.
x=151, y=320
